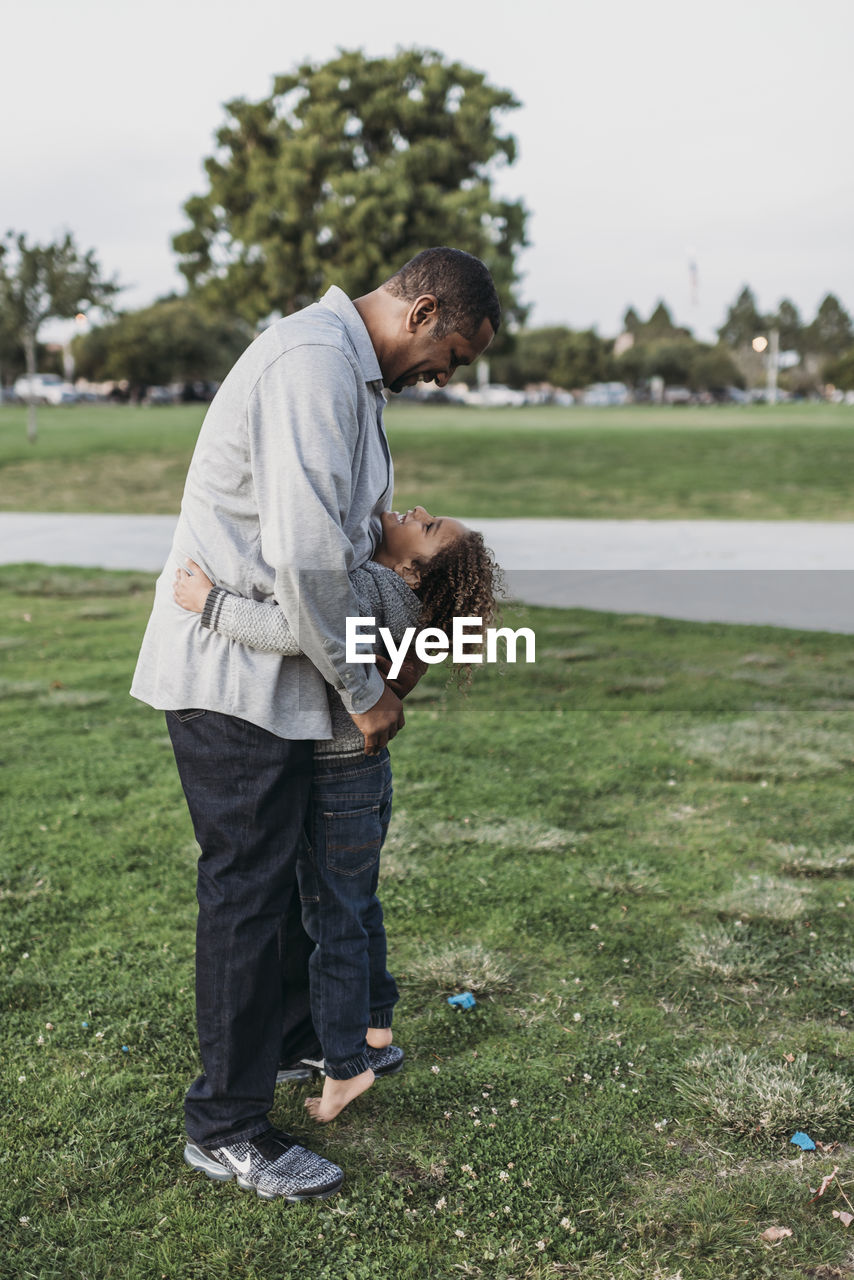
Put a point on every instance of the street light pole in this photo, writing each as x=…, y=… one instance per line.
x=773, y=364
x=770, y=347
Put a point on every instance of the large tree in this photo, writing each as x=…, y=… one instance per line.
x=830, y=333
x=713, y=369
x=840, y=372
x=788, y=324
x=743, y=321
x=660, y=326
x=44, y=282
x=348, y=169
x=556, y=355
x=173, y=340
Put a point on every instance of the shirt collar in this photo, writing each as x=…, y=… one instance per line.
x=336, y=300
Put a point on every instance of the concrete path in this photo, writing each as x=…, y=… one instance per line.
x=780, y=573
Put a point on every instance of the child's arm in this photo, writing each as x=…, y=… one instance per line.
x=259, y=624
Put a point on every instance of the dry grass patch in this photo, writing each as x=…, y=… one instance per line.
x=764, y=897
x=725, y=952
x=639, y=684
x=569, y=655
x=809, y=860
x=21, y=688
x=778, y=743
x=457, y=967
x=521, y=834
x=759, y=660
x=745, y=1093
x=410, y=834
x=624, y=878
x=836, y=968
x=79, y=698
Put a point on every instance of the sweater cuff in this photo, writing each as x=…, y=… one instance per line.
x=213, y=607
x=363, y=699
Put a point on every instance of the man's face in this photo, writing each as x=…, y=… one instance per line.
x=420, y=357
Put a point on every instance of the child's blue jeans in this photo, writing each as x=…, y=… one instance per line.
x=351, y=988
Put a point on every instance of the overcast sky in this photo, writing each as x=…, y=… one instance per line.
x=650, y=133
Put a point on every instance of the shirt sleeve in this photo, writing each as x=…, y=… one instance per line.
x=303, y=424
x=259, y=624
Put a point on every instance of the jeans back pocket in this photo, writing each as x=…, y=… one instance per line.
x=353, y=839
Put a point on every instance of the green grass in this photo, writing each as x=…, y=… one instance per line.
x=641, y=863
x=783, y=462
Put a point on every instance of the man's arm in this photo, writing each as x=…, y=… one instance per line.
x=303, y=427
x=262, y=625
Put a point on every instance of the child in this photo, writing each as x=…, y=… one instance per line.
x=426, y=571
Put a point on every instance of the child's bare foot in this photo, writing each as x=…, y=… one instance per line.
x=378, y=1037
x=336, y=1094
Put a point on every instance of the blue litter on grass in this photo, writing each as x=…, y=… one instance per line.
x=802, y=1140
x=464, y=1001
x=125, y=1049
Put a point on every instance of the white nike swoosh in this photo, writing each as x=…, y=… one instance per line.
x=243, y=1166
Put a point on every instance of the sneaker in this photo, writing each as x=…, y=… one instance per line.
x=386, y=1061
x=383, y=1062
x=272, y=1164
x=304, y=1069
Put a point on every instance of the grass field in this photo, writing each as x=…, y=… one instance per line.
x=636, y=852
x=783, y=462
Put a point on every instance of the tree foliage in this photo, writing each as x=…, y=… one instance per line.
x=43, y=282
x=713, y=369
x=680, y=361
x=788, y=324
x=173, y=340
x=660, y=326
x=559, y=356
x=670, y=359
x=840, y=372
x=347, y=170
x=830, y=333
x=743, y=321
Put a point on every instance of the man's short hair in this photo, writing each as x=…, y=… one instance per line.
x=461, y=284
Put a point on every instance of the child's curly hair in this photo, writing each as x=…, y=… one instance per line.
x=461, y=580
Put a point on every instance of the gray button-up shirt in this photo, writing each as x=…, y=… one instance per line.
x=283, y=497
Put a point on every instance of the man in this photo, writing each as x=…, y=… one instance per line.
x=283, y=497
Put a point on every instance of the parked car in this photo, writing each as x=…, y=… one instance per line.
x=160, y=395
x=678, y=395
x=495, y=395
x=603, y=394
x=45, y=388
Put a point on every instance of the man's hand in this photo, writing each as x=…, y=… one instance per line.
x=411, y=671
x=381, y=722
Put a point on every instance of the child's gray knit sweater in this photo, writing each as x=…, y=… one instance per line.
x=382, y=595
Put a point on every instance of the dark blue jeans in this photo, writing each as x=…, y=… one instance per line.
x=248, y=795
x=351, y=988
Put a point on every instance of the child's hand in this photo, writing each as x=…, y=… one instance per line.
x=411, y=671
x=190, y=590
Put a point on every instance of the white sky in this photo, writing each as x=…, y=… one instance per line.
x=649, y=132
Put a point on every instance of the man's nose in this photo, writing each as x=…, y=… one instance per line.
x=442, y=379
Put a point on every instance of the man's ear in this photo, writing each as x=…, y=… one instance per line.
x=410, y=574
x=424, y=311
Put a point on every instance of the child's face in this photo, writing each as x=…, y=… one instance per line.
x=414, y=535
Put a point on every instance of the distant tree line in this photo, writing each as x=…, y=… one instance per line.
x=657, y=347
x=344, y=171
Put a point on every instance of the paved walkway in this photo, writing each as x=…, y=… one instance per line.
x=780, y=573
